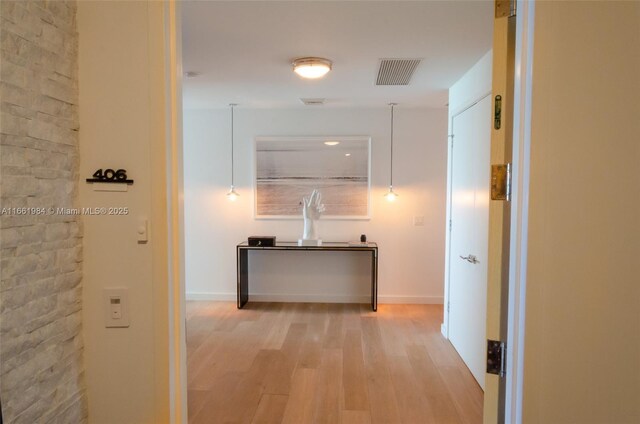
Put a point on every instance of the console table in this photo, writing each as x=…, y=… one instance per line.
x=242, y=259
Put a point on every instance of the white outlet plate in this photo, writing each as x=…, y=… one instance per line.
x=116, y=307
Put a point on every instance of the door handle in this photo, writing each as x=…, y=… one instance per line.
x=471, y=259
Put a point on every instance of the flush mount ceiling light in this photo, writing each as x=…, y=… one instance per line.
x=311, y=67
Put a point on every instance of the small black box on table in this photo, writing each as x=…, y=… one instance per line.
x=262, y=241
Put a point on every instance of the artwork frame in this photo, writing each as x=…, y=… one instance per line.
x=286, y=168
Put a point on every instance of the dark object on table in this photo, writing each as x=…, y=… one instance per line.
x=262, y=241
x=363, y=238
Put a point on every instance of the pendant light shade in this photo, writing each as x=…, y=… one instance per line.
x=232, y=195
x=391, y=195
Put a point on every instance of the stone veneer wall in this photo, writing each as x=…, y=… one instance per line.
x=41, y=366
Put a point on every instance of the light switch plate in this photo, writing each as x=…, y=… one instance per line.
x=116, y=307
x=143, y=231
x=418, y=220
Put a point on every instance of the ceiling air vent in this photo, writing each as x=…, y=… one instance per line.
x=396, y=71
x=313, y=102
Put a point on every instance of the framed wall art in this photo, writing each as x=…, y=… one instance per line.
x=289, y=168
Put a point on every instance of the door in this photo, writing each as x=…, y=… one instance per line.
x=504, y=42
x=469, y=235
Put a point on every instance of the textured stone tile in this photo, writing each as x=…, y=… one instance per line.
x=13, y=156
x=59, y=90
x=12, y=237
x=41, y=371
x=17, y=110
x=13, y=125
x=13, y=74
x=18, y=185
x=15, y=95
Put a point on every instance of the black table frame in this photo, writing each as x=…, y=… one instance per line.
x=242, y=259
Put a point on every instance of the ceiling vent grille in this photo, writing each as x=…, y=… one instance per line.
x=313, y=102
x=396, y=71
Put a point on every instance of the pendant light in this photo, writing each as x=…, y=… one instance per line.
x=391, y=195
x=232, y=195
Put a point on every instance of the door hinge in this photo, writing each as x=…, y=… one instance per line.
x=496, y=362
x=448, y=304
x=501, y=182
x=450, y=225
x=505, y=8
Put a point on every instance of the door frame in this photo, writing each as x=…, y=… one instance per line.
x=525, y=20
x=506, y=399
x=175, y=304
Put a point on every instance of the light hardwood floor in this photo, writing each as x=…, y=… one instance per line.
x=304, y=363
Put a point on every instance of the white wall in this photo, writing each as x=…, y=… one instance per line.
x=411, y=257
x=122, y=125
x=582, y=339
x=473, y=86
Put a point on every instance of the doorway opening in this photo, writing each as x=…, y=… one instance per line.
x=305, y=313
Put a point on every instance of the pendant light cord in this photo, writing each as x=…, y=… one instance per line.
x=391, y=179
x=232, y=106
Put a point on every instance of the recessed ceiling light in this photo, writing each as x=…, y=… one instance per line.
x=331, y=143
x=347, y=154
x=311, y=67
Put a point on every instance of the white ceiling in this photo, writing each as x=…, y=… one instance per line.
x=243, y=50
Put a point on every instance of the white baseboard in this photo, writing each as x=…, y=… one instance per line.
x=443, y=330
x=211, y=296
x=259, y=297
x=412, y=300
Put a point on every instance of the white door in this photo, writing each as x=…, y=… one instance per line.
x=469, y=235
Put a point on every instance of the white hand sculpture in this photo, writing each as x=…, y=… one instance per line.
x=312, y=208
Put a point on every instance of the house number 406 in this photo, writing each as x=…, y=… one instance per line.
x=110, y=176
